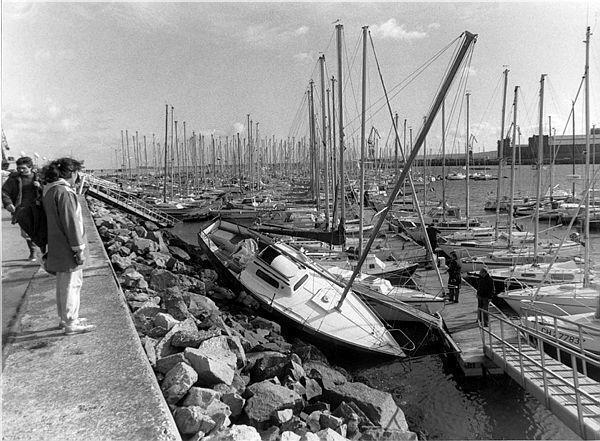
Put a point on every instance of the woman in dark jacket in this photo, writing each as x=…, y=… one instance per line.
x=454, y=277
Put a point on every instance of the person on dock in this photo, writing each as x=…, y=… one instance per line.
x=66, y=241
x=454, y=277
x=21, y=190
x=485, y=293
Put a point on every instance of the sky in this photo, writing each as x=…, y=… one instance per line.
x=74, y=75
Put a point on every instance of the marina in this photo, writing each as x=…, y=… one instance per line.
x=296, y=218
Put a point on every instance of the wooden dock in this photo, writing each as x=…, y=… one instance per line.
x=462, y=335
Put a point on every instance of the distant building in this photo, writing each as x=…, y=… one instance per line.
x=565, y=149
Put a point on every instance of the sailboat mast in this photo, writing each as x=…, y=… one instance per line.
x=540, y=157
x=468, y=160
x=586, y=259
x=466, y=44
x=501, y=156
x=342, y=192
x=166, y=152
x=362, y=141
x=443, y=160
x=324, y=140
x=512, y=169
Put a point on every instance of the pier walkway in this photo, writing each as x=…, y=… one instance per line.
x=463, y=336
x=524, y=354
x=91, y=386
x=108, y=192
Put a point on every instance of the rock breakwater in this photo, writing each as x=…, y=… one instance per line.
x=226, y=372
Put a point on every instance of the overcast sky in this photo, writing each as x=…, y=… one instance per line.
x=75, y=74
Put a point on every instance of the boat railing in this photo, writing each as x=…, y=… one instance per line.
x=507, y=336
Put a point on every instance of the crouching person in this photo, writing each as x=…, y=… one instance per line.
x=66, y=241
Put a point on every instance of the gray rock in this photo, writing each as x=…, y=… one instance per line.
x=379, y=406
x=174, y=303
x=200, y=396
x=294, y=370
x=140, y=231
x=312, y=389
x=119, y=262
x=262, y=323
x=267, y=398
x=165, y=364
x=164, y=347
x=210, y=367
x=142, y=246
x=201, y=306
x=267, y=365
x=235, y=403
x=150, y=226
x=290, y=436
x=178, y=381
x=148, y=344
x=271, y=434
x=191, y=339
x=331, y=421
x=124, y=251
x=192, y=419
x=179, y=253
x=143, y=318
x=209, y=275
x=313, y=421
x=330, y=435
x=220, y=293
x=235, y=433
x=226, y=345
x=282, y=416
x=328, y=376
x=161, y=279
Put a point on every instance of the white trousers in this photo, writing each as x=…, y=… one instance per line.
x=68, y=289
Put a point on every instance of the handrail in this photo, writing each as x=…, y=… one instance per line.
x=576, y=354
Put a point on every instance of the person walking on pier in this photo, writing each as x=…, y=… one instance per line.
x=66, y=241
x=454, y=277
x=21, y=190
x=485, y=292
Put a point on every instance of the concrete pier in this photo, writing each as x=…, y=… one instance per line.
x=96, y=386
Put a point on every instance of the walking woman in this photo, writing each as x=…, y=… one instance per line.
x=66, y=241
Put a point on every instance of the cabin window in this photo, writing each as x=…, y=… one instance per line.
x=530, y=275
x=267, y=278
x=300, y=282
x=269, y=254
x=371, y=265
x=563, y=276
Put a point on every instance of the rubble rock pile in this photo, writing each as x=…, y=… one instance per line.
x=226, y=372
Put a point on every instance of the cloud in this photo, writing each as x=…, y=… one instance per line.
x=238, y=127
x=472, y=71
x=267, y=36
x=42, y=55
x=391, y=29
x=304, y=57
x=433, y=25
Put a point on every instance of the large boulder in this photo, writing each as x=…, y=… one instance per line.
x=119, y=262
x=235, y=403
x=164, y=347
x=174, y=303
x=179, y=253
x=192, y=419
x=178, y=381
x=165, y=364
x=143, y=318
x=267, y=398
x=326, y=375
x=201, y=306
x=212, y=367
x=263, y=323
x=142, y=246
x=161, y=279
x=266, y=365
x=166, y=321
x=379, y=406
x=235, y=433
x=193, y=339
x=330, y=435
x=200, y=396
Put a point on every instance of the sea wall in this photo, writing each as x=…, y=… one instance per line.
x=225, y=371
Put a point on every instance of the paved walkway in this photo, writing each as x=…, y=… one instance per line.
x=96, y=386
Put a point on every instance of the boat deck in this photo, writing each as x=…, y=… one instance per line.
x=462, y=335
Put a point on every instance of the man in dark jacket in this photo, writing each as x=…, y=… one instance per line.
x=485, y=293
x=454, y=277
x=21, y=189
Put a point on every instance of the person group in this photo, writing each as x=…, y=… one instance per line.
x=67, y=243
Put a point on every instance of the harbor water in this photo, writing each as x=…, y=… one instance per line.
x=438, y=402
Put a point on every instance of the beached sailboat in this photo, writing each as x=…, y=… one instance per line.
x=292, y=289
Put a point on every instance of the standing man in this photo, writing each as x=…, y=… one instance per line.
x=66, y=241
x=454, y=277
x=485, y=292
x=21, y=189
